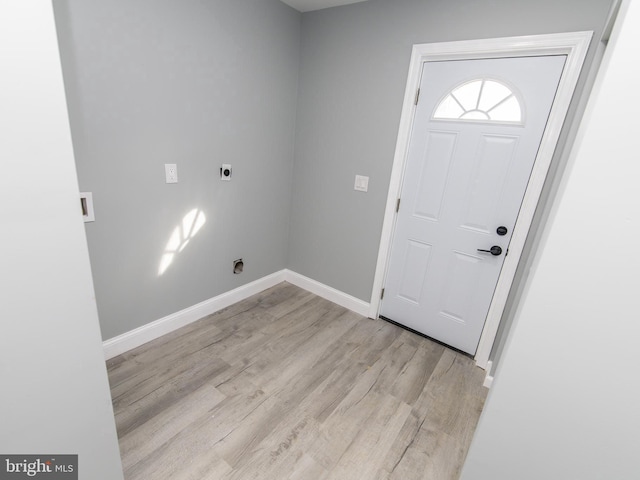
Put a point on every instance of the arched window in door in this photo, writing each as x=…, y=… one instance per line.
x=484, y=100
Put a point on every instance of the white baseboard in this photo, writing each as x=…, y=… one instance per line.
x=329, y=293
x=134, y=338
x=488, y=379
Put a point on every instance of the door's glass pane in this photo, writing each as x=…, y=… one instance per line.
x=475, y=115
x=507, y=111
x=468, y=94
x=449, y=108
x=480, y=100
x=492, y=94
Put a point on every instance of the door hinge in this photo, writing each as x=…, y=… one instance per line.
x=382, y=294
x=417, y=97
x=398, y=206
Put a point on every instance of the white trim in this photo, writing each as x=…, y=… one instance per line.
x=134, y=338
x=329, y=293
x=488, y=379
x=575, y=46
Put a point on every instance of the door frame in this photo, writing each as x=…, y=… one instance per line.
x=575, y=46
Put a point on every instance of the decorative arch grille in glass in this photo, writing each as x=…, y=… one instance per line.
x=483, y=100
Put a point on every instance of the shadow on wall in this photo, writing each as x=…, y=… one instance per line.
x=180, y=238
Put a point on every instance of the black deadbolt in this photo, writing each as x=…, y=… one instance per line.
x=495, y=250
x=502, y=231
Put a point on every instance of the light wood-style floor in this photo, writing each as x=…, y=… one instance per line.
x=286, y=385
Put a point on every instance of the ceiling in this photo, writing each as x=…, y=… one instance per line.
x=309, y=5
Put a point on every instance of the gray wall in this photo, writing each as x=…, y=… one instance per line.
x=55, y=396
x=564, y=404
x=197, y=84
x=353, y=75
x=204, y=83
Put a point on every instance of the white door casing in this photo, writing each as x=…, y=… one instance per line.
x=465, y=176
x=574, y=46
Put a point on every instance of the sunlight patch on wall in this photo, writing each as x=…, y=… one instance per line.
x=180, y=238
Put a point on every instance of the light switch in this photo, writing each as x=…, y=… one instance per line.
x=362, y=183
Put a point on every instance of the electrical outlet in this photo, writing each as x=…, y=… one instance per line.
x=171, y=172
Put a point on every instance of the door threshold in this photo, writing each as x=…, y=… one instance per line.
x=404, y=327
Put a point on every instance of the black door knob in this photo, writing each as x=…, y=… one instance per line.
x=495, y=250
x=502, y=231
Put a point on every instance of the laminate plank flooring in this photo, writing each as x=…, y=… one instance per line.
x=286, y=385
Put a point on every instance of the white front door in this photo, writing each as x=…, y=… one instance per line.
x=476, y=133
